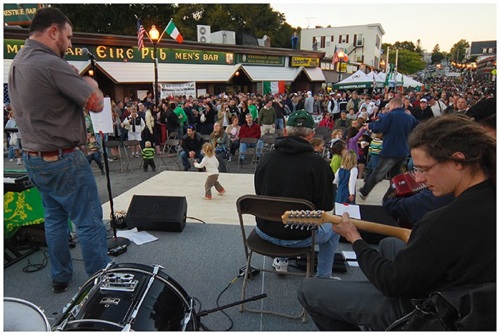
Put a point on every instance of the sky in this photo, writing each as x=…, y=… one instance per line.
x=443, y=23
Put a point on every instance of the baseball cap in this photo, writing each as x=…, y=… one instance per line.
x=482, y=109
x=300, y=118
x=423, y=100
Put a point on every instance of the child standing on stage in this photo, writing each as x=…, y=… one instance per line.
x=345, y=179
x=211, y=165
x=148, y=155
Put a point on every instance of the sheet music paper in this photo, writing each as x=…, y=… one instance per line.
x=138, y=237
x=352, y=210
x=350, y=256
x=103, y=121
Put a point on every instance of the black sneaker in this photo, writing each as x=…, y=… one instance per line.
x=241, y=161
x=59, y=287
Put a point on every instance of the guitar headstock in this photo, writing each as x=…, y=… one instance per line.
x=304, y=219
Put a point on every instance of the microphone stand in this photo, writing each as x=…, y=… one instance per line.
x=115, y=241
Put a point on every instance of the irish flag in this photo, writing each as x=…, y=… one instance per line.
x=172, y=30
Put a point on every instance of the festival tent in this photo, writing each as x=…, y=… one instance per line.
x=400, y=80
x=379, y=77
x=358, y=79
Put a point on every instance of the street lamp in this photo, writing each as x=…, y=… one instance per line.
x=341, y=56
x=154, y=36
x=382, y=64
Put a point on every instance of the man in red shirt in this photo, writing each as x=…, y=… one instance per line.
x=249, y=130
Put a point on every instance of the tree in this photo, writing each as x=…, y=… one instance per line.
x=117, y=19
x=409, y=61
x=457, y=51
x=405, y=46
x=437, y=56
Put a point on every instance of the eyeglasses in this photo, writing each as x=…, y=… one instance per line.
x=423, y=171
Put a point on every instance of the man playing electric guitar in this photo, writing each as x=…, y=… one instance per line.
x=450, y=247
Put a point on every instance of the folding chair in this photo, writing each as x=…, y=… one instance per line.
x=130, y=143
x=271, y=208
x=170, y=152
x=116, y=144
x=268, y=140
x=251, y=151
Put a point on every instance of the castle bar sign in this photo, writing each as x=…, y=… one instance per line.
x=305, y=62
x=19, y=14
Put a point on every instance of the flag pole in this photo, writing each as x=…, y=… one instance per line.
x=163, y=32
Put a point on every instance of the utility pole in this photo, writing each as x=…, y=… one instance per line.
x=309, y=19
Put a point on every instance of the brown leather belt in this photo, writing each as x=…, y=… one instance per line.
x=50, y=153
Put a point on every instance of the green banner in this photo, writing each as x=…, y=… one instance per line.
x=21, y=209
x=125, y=54
x=260, y=60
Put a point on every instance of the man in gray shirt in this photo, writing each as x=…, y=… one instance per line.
x=49, y=96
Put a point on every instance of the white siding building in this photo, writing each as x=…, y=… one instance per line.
x=363, y=44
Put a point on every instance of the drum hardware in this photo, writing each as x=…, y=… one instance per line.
x=135, y=298
x=119, y=282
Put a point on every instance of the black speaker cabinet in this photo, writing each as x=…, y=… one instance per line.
x=152, y=212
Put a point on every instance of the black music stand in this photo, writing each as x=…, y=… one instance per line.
x=115, y=241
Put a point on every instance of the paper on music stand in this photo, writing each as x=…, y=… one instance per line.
x=138, y=237
x=352, y=210
x=103, y=121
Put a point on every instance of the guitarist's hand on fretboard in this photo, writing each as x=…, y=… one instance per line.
x=347, y=229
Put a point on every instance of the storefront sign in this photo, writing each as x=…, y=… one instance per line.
x=305, y=62
x=177, y=89
x=124, y=54
x=260, y=60
x=19, y=14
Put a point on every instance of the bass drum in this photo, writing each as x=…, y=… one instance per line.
x=22, y=315
x=129, y=297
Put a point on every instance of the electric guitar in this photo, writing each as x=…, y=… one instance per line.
x=311, y=219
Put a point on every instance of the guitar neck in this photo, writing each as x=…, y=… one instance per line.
x=372, y=227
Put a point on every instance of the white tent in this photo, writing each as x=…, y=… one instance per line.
x=358, y=79
x=400, y=80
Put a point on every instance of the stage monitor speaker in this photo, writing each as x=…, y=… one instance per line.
x=152, y=212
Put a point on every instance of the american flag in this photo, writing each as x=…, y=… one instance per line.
x=140, y=35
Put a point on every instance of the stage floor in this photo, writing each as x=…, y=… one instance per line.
x=221, y=209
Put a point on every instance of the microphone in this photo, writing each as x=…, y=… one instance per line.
x=86, y=52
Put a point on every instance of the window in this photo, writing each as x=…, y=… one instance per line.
x=323, y=41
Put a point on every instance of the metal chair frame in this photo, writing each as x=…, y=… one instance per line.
x=271, y=208
x=170, y=151
x=251, y=151
x=127, y=144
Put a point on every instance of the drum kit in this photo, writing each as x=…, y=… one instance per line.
x=122, y=297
